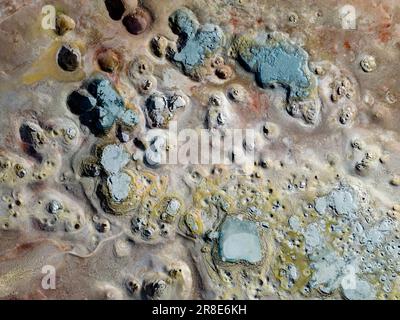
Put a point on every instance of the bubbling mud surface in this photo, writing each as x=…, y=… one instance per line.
x=85, y=111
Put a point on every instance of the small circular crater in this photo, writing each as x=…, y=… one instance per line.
x=68, y=58
x=115, y=8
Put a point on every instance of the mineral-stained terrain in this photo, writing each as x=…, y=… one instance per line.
x=91, y=194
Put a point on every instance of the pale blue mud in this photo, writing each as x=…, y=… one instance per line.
x=119, y=185
x=114, y=158
x=277, y=62
x=99, y=106
x=195, y=42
